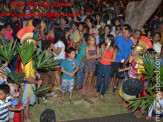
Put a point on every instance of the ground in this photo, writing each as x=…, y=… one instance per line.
x=82, y=107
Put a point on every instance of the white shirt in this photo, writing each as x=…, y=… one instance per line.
x=62, y=53
x=157, y=47
x=154, y=105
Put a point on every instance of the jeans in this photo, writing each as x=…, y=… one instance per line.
x=80, y=76
x=103, y=70
x=14, y=63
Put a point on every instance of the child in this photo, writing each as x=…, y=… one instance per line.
x=8, y=31
x=5, y=103
x=92, y=53
x=13, y=95
x=69, y=67
x=157, y=107
x=3, y=78
x=108, y=55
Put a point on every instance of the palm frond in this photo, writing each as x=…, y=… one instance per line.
x=26, y=52
x=7, y=53
x=43, y=61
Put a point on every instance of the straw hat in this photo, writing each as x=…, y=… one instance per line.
x=27, y=37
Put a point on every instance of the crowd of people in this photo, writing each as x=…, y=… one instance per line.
x=96, y=48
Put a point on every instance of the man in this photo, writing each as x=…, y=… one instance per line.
x=124, y=44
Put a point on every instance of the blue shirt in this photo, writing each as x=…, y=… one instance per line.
x=124, y=48
x=69, y=66
x=81, y=53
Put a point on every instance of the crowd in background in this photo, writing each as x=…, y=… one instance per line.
x=95, y=46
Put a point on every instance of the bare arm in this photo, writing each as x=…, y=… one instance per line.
x=56, y=51
x=81, y=62
x=62, y=70
x=16, y=109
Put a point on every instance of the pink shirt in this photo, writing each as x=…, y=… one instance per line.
x=8, y=34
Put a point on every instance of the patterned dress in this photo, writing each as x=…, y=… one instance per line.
x=90, y=64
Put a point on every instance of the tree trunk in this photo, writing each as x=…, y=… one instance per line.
x=138, y=12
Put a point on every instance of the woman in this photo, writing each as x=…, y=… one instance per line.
x=50, y=35
x=59, y=48
x=67, y=32
x=108, y=55
x=103, y=36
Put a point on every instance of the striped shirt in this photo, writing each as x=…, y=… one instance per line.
x=4, y=109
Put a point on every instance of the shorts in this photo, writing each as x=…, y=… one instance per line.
x=11, y=115
x=67, y=85
x=59, y=62
x=115, y=69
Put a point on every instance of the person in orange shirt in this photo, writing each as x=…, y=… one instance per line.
x=108, y=55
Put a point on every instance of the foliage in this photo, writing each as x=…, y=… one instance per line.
x=143, y=102
x=149, y=66
x=151, y=72
x=43, y=61
x=26, y=52
x=7, y=52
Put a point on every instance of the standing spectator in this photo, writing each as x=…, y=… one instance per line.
x=124, y=44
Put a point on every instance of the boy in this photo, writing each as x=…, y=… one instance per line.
x=5, y=103
x=156, y=108
x=69, y=67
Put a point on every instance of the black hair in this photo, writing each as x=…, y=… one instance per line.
x=138, y=31
x=76, y=24
x=86, y=35
x=65, y=19
x=112, y=44
x=151, y=51
x=108, y=27
x=7, y=24
x=9, y=80
x=158, y=34
x=36, y=22
x=127, y=26
x=129, y=31
x=82, y=24
x=45, y=44
x=69, y=50
x=66, y=29
x=5, y=88
x=60, y=36
x=1, y=27
x=48, y=115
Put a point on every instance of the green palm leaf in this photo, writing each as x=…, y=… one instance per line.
x=43, y=61
x=26, y=52
x=7, y=53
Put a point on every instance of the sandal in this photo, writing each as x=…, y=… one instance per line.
x=89, y=90
x=61, y=101
x=97, y=94
x=71, y=101
x=83, y=91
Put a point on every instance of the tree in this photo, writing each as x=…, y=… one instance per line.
x=138, y=12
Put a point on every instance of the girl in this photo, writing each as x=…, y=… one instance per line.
x=59, y=48
x=92, y=53
x=108, y=55
x=8, y=31
x=2, y=35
